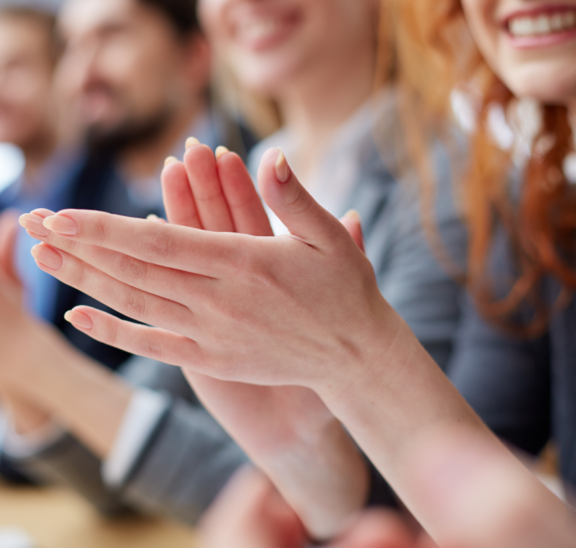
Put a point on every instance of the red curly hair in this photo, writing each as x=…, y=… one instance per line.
x=434, y=55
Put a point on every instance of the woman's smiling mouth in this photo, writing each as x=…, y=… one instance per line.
x=543, y=26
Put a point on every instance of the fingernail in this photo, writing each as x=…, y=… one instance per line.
x=47, y=256
x=62, y=225
x=353, y=214
x=220, y=151
x=170, y=160
x=34, y=224
x=155, y=219
x=79, y=319
x=191, y=141
x=282, y=169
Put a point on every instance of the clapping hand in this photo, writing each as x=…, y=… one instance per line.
x=276, y=426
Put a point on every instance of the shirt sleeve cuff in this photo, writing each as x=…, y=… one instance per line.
x=143, y=415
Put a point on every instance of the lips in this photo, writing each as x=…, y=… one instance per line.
x=264, y=28
x=543, y=24
x=257, y=30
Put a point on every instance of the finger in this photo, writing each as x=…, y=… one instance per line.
x=141, y=340
x=377, y=529
x=203, y=178
x=178, y=198
x=293, y=205
x=127, y=300
x=244, y=203
x=155, y=219
x=191, y=250
x=353, y=225
x=164, y=282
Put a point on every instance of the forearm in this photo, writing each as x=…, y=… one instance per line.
x=290, y=435
x=68, y=387
x=404, y=406
x=325, y=480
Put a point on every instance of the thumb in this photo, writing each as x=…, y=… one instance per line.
x=353, y=225
x=8, y=232
x=293, y=205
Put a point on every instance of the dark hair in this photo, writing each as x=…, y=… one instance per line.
x=180, y=13
x=40, y=17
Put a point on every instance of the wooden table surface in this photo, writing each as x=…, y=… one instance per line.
x=57, y=518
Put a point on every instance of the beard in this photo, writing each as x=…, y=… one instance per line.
x=129, y=133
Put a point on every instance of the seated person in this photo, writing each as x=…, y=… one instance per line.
x=136, y=75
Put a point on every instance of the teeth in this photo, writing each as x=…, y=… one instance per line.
x=557, y=22
x=542, y=24
x=255, y=30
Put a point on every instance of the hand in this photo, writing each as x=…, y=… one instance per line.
x=15, y=325
x=229, y=305
x=250, y=513
x=17, y=329
x=276, y=426
x=8, y=233
x=296, y=429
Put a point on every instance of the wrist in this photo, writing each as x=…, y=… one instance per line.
x=25, y=417
x=323, y=476
x=379, y=349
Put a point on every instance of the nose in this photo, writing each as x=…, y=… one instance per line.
x=78, y=67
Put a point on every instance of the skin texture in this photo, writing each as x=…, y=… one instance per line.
x=356, y=352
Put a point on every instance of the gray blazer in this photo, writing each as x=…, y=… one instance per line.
x=190, y=458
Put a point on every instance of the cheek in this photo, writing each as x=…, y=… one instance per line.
x=481, y=19
x=211, y=14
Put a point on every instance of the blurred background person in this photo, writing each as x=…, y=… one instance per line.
x=135, y=74
x=30, y=119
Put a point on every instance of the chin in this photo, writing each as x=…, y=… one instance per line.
x=269, y=77
x=268, y=85
x=555, y=85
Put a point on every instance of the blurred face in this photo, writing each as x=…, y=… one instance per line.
x=271, y=44
x=530, y=44
x=25, y=80
x=124, y=67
